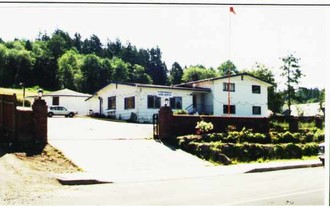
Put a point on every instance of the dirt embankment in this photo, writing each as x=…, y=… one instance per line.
x=27, y=179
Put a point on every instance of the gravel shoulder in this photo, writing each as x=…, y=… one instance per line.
x=29, y=179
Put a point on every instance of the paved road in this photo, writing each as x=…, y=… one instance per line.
x=286, y=187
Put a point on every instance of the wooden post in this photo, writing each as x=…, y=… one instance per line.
x=293, y=124
x=39, y=108
x=165, y=123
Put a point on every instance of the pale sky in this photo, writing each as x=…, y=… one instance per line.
x=191, y=35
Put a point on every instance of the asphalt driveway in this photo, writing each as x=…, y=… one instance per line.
x=115, y=148
x=60, y=128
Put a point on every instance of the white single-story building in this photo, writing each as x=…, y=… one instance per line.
x=241, y=95
x=121, y=100
x=69, y=99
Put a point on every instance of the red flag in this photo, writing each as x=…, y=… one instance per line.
x=231, y=9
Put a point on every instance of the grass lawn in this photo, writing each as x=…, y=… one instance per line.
x=19, y=92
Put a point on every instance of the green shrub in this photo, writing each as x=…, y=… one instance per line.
x=231, y=137
x=279, y=127
x=181, y=111
x=319, y=136
x=245, y=152
x=260, y=138
x=310, y=149
x=280, y=152
x=204, y=127
x=294, y=151
x=245, y=135
x=309, y=137
x=254, y=151
x=287, y=137
x=216, y=155
x=229, y=149
x=274, y=136
x=203, y=150
x=214, y=137
x=187, y=139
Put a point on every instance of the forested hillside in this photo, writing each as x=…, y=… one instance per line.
x=58, y=61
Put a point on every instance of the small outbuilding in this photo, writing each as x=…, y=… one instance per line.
x=306, y=110
x=69, y=99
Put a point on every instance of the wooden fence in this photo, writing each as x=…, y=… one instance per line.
x=170, y=125
x=23, y=127
x=175, y=125
x=7, y=118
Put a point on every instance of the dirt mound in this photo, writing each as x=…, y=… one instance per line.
x=27, y=179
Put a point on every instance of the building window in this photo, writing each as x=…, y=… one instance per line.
x=256, y=110
x=112, y=102
x=153, y=102
x=56, y=100
x=129, y=102
x=176, y=102
x=232, y=109
x=256, y=89
x=229, y=86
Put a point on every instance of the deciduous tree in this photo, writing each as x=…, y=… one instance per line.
x=227, y=68
x=194, y=73
x=292, y=73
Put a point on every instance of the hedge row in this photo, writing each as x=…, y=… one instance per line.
x=225, y=153
x=247, y=135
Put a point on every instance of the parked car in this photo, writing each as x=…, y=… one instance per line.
x=321, y=152
x=60, y=110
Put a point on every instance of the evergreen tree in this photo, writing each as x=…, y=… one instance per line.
x=156, y=68
x=176, y=73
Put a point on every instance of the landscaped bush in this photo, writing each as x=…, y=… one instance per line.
x=319, y=136
x=214, y=137
x=310, y=149
x=246, y=135
x=246, y=146
x=181, y=111
x=294, y=151
x=279, y=126
x=287, y=137
x=309, y=137
x=203, y=127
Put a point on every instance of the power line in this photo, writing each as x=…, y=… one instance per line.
x=160, y=3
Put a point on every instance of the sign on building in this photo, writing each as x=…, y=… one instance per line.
x=164, y=94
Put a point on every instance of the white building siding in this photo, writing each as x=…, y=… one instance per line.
x=144, y=114
x=242, y=97
x=120, y=92
x=75, y=103
x=210, y=101
x=70, y=102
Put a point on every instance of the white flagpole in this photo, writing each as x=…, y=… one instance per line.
x=228, y=84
